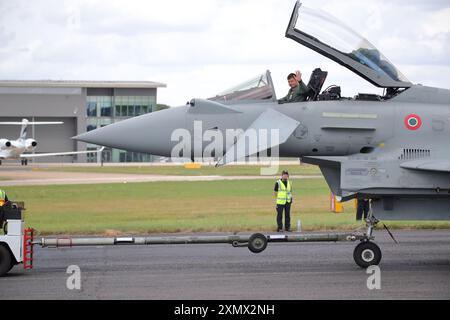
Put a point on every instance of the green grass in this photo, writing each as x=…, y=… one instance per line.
x=235, y=205
x=179, y=170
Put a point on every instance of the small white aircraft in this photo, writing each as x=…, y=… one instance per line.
x=14, y=149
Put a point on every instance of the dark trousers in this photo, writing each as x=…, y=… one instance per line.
x=287, y=215
x=363, y=209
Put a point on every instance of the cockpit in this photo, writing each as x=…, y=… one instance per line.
x=262, y=88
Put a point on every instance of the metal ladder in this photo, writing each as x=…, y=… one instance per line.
x=28, y=237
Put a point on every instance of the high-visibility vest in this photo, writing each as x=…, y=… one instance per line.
x=284, y=194
x=2, y=197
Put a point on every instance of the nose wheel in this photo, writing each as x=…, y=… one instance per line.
x=367, y=254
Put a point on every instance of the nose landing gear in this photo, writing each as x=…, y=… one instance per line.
x=367, y=253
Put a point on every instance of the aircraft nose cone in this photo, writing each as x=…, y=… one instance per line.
x=150, y=133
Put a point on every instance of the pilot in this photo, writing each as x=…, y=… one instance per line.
x=283, y=194
x=298, y=91
x=3, y=198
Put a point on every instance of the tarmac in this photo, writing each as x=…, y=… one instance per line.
x=417, y=268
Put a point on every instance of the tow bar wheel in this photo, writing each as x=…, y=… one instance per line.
x=257, y=243
x=6, y=262
x=367, y=254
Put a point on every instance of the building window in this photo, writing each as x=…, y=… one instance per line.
x=99, y=106
x=101, y=111
x=106, y=111
x=124, y=111
x=91, y=157
x=131, y=111
x=127, y=156
x=92, y=109
x=132, y=106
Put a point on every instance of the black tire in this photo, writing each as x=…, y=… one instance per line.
x=257, y=243
x=367, y=254
x=12, y=266
x=6, y=260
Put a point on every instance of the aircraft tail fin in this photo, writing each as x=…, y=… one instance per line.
x=23, y=129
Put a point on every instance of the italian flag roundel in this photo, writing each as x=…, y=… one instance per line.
x=413, y=122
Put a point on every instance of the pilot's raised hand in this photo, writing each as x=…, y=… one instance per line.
x=298, y=75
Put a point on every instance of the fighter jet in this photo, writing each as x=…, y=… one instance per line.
x=392, y=148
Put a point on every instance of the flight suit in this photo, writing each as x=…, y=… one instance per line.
x=298, y=94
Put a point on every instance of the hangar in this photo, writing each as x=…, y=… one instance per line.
x=81, y=105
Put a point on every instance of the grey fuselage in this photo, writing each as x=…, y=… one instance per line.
x=327, y=128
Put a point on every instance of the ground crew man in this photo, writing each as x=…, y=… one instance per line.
x=3, y=197
x=362, y=209
x=283, y=194
x=298, y=91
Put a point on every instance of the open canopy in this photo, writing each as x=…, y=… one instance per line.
x=328, y=36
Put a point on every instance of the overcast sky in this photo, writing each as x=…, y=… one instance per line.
x=201, y=47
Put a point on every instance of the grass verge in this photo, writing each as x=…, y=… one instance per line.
x=179, y=170
x=236, y=205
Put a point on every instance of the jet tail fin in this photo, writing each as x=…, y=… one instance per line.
x=23, y=129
